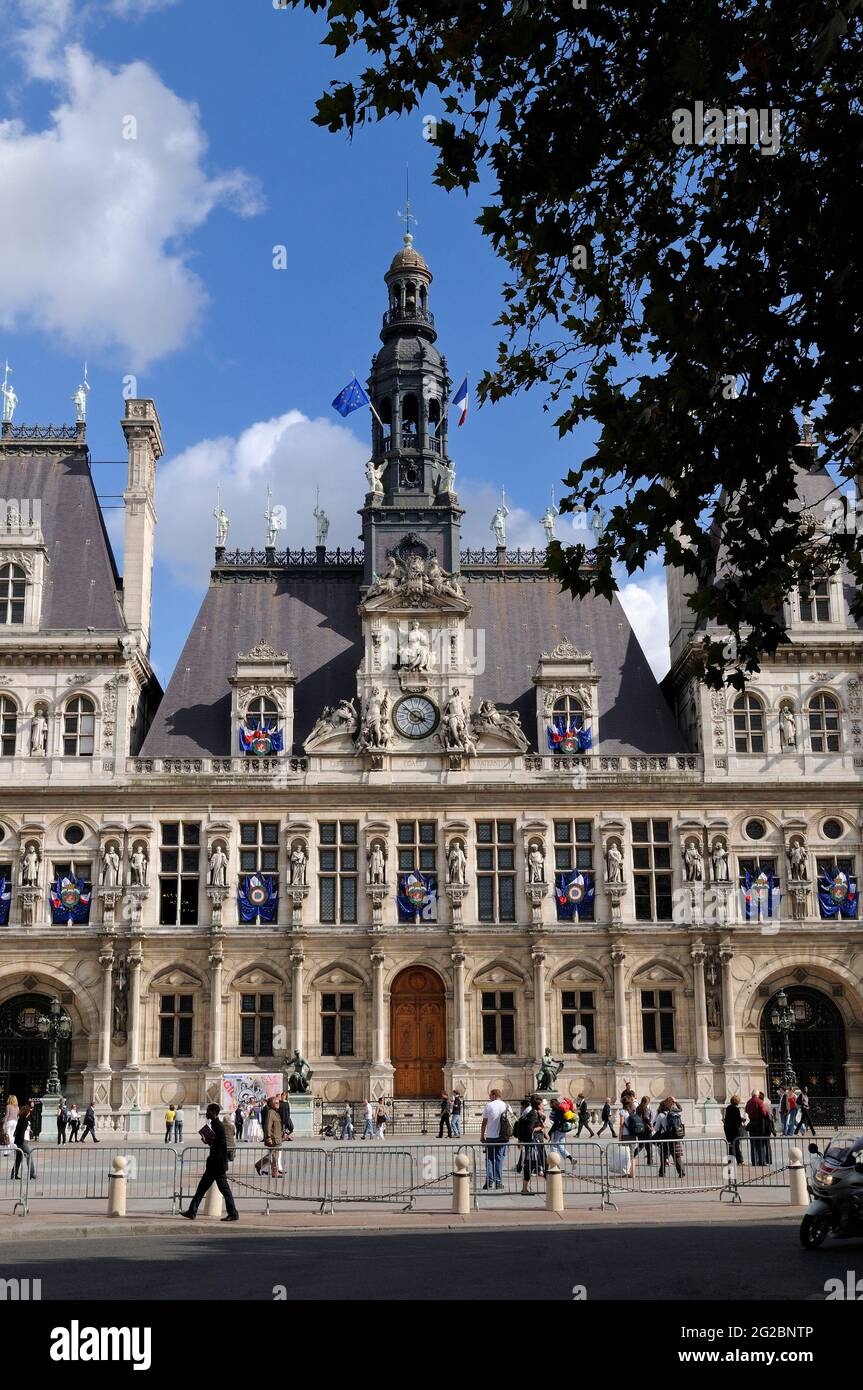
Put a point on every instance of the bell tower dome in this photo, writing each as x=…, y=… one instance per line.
x=409, y=390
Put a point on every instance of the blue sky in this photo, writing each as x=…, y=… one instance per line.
x=153, y=257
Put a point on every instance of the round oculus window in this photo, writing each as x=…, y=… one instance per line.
x=755, y=829
x=833, y=829
x=415, y=716
x=73, y=834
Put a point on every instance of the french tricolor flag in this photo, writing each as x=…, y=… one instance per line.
x=461, y=398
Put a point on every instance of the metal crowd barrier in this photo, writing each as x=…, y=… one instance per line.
x=659, y=1166
x=70, y=1172
x=288, y=1174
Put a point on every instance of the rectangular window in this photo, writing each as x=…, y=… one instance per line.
x=651, y=870
x=179, y=873
x=176, y=1016
x=495, y=864
x=578, y=1013
x=573, y=849
x=417, y=854
x=815, y=602
x=498, y=1023
x=256, y=1025
x=338, y=858
x=259, y=852
x=657, y=1020
x=8, y=727
x=337, y=1025
x=830, y=883
x=64, y=868
x=761, y=907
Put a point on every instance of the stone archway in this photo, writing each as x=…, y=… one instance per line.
x=417, y=1032
x=24, y=1053
x=817, y=1043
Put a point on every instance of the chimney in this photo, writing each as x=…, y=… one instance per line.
x=143, y=431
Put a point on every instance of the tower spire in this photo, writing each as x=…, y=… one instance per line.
x=404, y=214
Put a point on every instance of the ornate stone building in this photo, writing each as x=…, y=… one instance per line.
x=408, y=809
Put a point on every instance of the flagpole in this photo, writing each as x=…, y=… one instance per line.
x=371, y=407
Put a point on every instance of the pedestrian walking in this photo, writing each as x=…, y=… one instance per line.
x=560, y=1127
x=215, y=1135
x=74, y=1122
x=456, y=1114
x=347, y=1122
x=10, y=1120
x=62, y=1121
x=669, y=1131
x=35, y=1116
x=607, y=1118
x=530, y=1131
x=285, y=1116
x=732, y=1123
x=644, y=1111
x=445, y=1116
x=495, y=1134
x=630, y=1130
x=368, y=1120
x=769, y=1130
x=381, y=1122
x=789, y=1099
x=21, y=1137
x=170, y=1116
x=178, y=1123
x=239, y=1117
x=273, y=1133
x=89, y=1124
x=804, y=1112
x=583, y=1116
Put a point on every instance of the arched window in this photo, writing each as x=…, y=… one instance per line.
x=79, y=727
x=570, y=710
x=433, y=419
x=13, y=582
x=748, y=724
x=410, y=298
x=262, y=713
x=824, y=727
x=385, y=410
x=8, y=726
x=410, y=420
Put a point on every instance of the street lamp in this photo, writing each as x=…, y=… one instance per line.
x=53, y=1027
x=783, y=1019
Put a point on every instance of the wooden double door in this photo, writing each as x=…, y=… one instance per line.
x=418, y=1032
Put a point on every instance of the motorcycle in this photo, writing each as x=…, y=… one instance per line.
x=836, y=1188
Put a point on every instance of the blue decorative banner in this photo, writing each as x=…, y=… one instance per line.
x=760, y=896
x=573, y=892
x=417, y=895
x=70, y=900
x=5, y=902
x=259, y=743
x=837, y=894
x=256, y=897
x=569, y=737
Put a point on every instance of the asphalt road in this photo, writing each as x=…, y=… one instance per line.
x=743, y=1260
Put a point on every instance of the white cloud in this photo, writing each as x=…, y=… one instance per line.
x=644, y=602
x=137, y=9
x=292, y=453
x=93, y=224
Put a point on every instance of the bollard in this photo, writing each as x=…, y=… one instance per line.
x=554, y=1184
x=461, y=1186
x=797, y=1173
x=117, y=1186
x=214, y=1203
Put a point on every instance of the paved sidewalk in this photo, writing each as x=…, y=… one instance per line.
x=48, y=1226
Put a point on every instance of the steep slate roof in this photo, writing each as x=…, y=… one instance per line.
x=314, y=618
x=81, y=582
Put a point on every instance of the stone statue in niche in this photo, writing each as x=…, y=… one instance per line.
x=797, y=858
x=693, y=861
x=377, y=864
x=38, y=733
x=455, y=729
x=30, y=863
x=111, y=864
x=299, y=864
x=374, y=732
x=415, y=655
x=535, y=862
x=217, y=875
x=139, y=866
x=719, y=859
x=456, y=860
x=787, y=728
x=614, y=862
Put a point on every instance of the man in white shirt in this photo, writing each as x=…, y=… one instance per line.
x=490, y=1135
x=368, y=1121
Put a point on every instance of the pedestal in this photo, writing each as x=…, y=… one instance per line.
x=303, y=1115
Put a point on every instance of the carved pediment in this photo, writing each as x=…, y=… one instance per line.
x=578, y=974
x=403, y=601
x=176, y=977
x=496, y=976
x=257, y=976
x=339, y=977
x=657, y=973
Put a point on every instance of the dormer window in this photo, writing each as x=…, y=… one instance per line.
x=79, y=728
x=262, y=713
x=815, y=602
x=13, y=587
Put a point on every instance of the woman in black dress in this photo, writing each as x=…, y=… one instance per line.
x=733, y=1125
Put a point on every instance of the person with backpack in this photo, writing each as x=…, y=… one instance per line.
x=670, y=1129
x=644, y=1110
x=62, y=1121
x=607, y=1120
x=583, y=1118
x=495, y=1133
x=273, y=1134
x=560, y=1127
x=74, y=1121
x=530, y=1132
x=631, y=1129
x=804, y=1114
x=381, y=1122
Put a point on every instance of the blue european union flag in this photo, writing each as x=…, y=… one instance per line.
x=351, y=398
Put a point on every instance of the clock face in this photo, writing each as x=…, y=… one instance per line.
x=415, y=716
